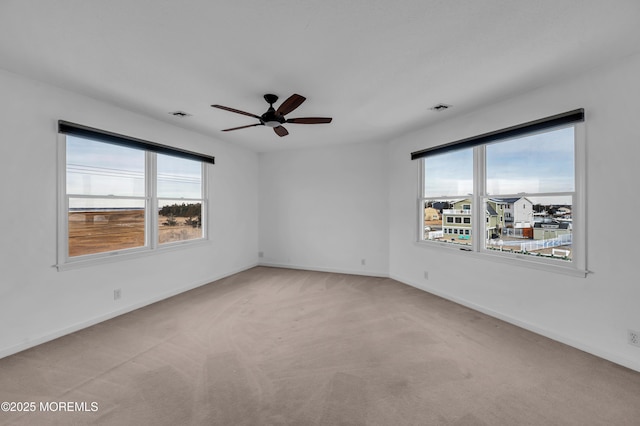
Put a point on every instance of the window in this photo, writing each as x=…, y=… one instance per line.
x=105, y=193
x=527, y=181
x=120, y=195
x=452, y=181
x=179, y=194
x=540, y=169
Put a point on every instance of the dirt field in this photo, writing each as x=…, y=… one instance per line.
x=180, y=232
x=98, y=232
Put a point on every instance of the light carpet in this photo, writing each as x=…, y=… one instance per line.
x=275, y=346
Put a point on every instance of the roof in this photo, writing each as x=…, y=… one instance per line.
x=510, y=200
x=505, y=200
x=552, y=225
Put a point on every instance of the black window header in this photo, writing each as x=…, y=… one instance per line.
x=79, y=130
x=509, y=132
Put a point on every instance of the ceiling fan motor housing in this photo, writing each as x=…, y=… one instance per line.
x=271, y=118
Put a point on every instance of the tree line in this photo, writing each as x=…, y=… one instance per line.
x=181, y=210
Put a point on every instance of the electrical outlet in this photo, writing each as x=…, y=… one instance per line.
x=363, y=262
x=260, y=254
x=117, y=294
x=634, y=338
x=426, y=275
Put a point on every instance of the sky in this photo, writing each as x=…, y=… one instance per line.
x=539, y=163
x=102, y=169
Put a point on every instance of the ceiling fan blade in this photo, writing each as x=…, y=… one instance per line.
x=242, y=127
x=237, y=111
x=280, y=131
x=309, y=120
x=292, y=102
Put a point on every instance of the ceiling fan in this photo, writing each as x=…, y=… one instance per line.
x=275, y=117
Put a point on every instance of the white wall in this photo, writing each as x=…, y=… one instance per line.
x=592, y=313
x=37, y=302
x=326, y=208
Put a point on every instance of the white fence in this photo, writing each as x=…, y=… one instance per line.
x=456, y=211
x=435, y=234
x=513, y=232
x=562, y=240
x=560, y=252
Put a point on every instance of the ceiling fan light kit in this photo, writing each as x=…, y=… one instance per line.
x=275, y=118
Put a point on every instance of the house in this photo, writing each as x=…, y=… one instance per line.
x=431, y=214
x=563, y=213
x=550, y=230
x=518, y=212
x=456, y=222
x=341, y=197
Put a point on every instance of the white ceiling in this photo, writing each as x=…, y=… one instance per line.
x=375, y=66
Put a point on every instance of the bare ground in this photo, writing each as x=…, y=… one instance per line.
x=99, y=232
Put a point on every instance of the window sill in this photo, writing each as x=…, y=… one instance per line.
x=126, y=255
x=556, y=266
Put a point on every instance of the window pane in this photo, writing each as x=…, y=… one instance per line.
x=179, y=178
x=538, y=163
x=445, y=220
x=179, y=221
x=449, y=174
x=537, y=226
x=109, y=227
x=97, y=168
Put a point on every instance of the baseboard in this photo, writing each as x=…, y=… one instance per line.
x=324, y=269
x=96, y=320
x=625, y=362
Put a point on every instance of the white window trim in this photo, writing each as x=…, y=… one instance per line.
x=577, y=267
x=151, y=247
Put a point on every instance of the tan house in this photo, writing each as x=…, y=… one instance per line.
x=431, y=214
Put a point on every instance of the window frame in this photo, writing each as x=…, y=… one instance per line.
x=151, y=226
x=576, y=267
x=156, y=206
